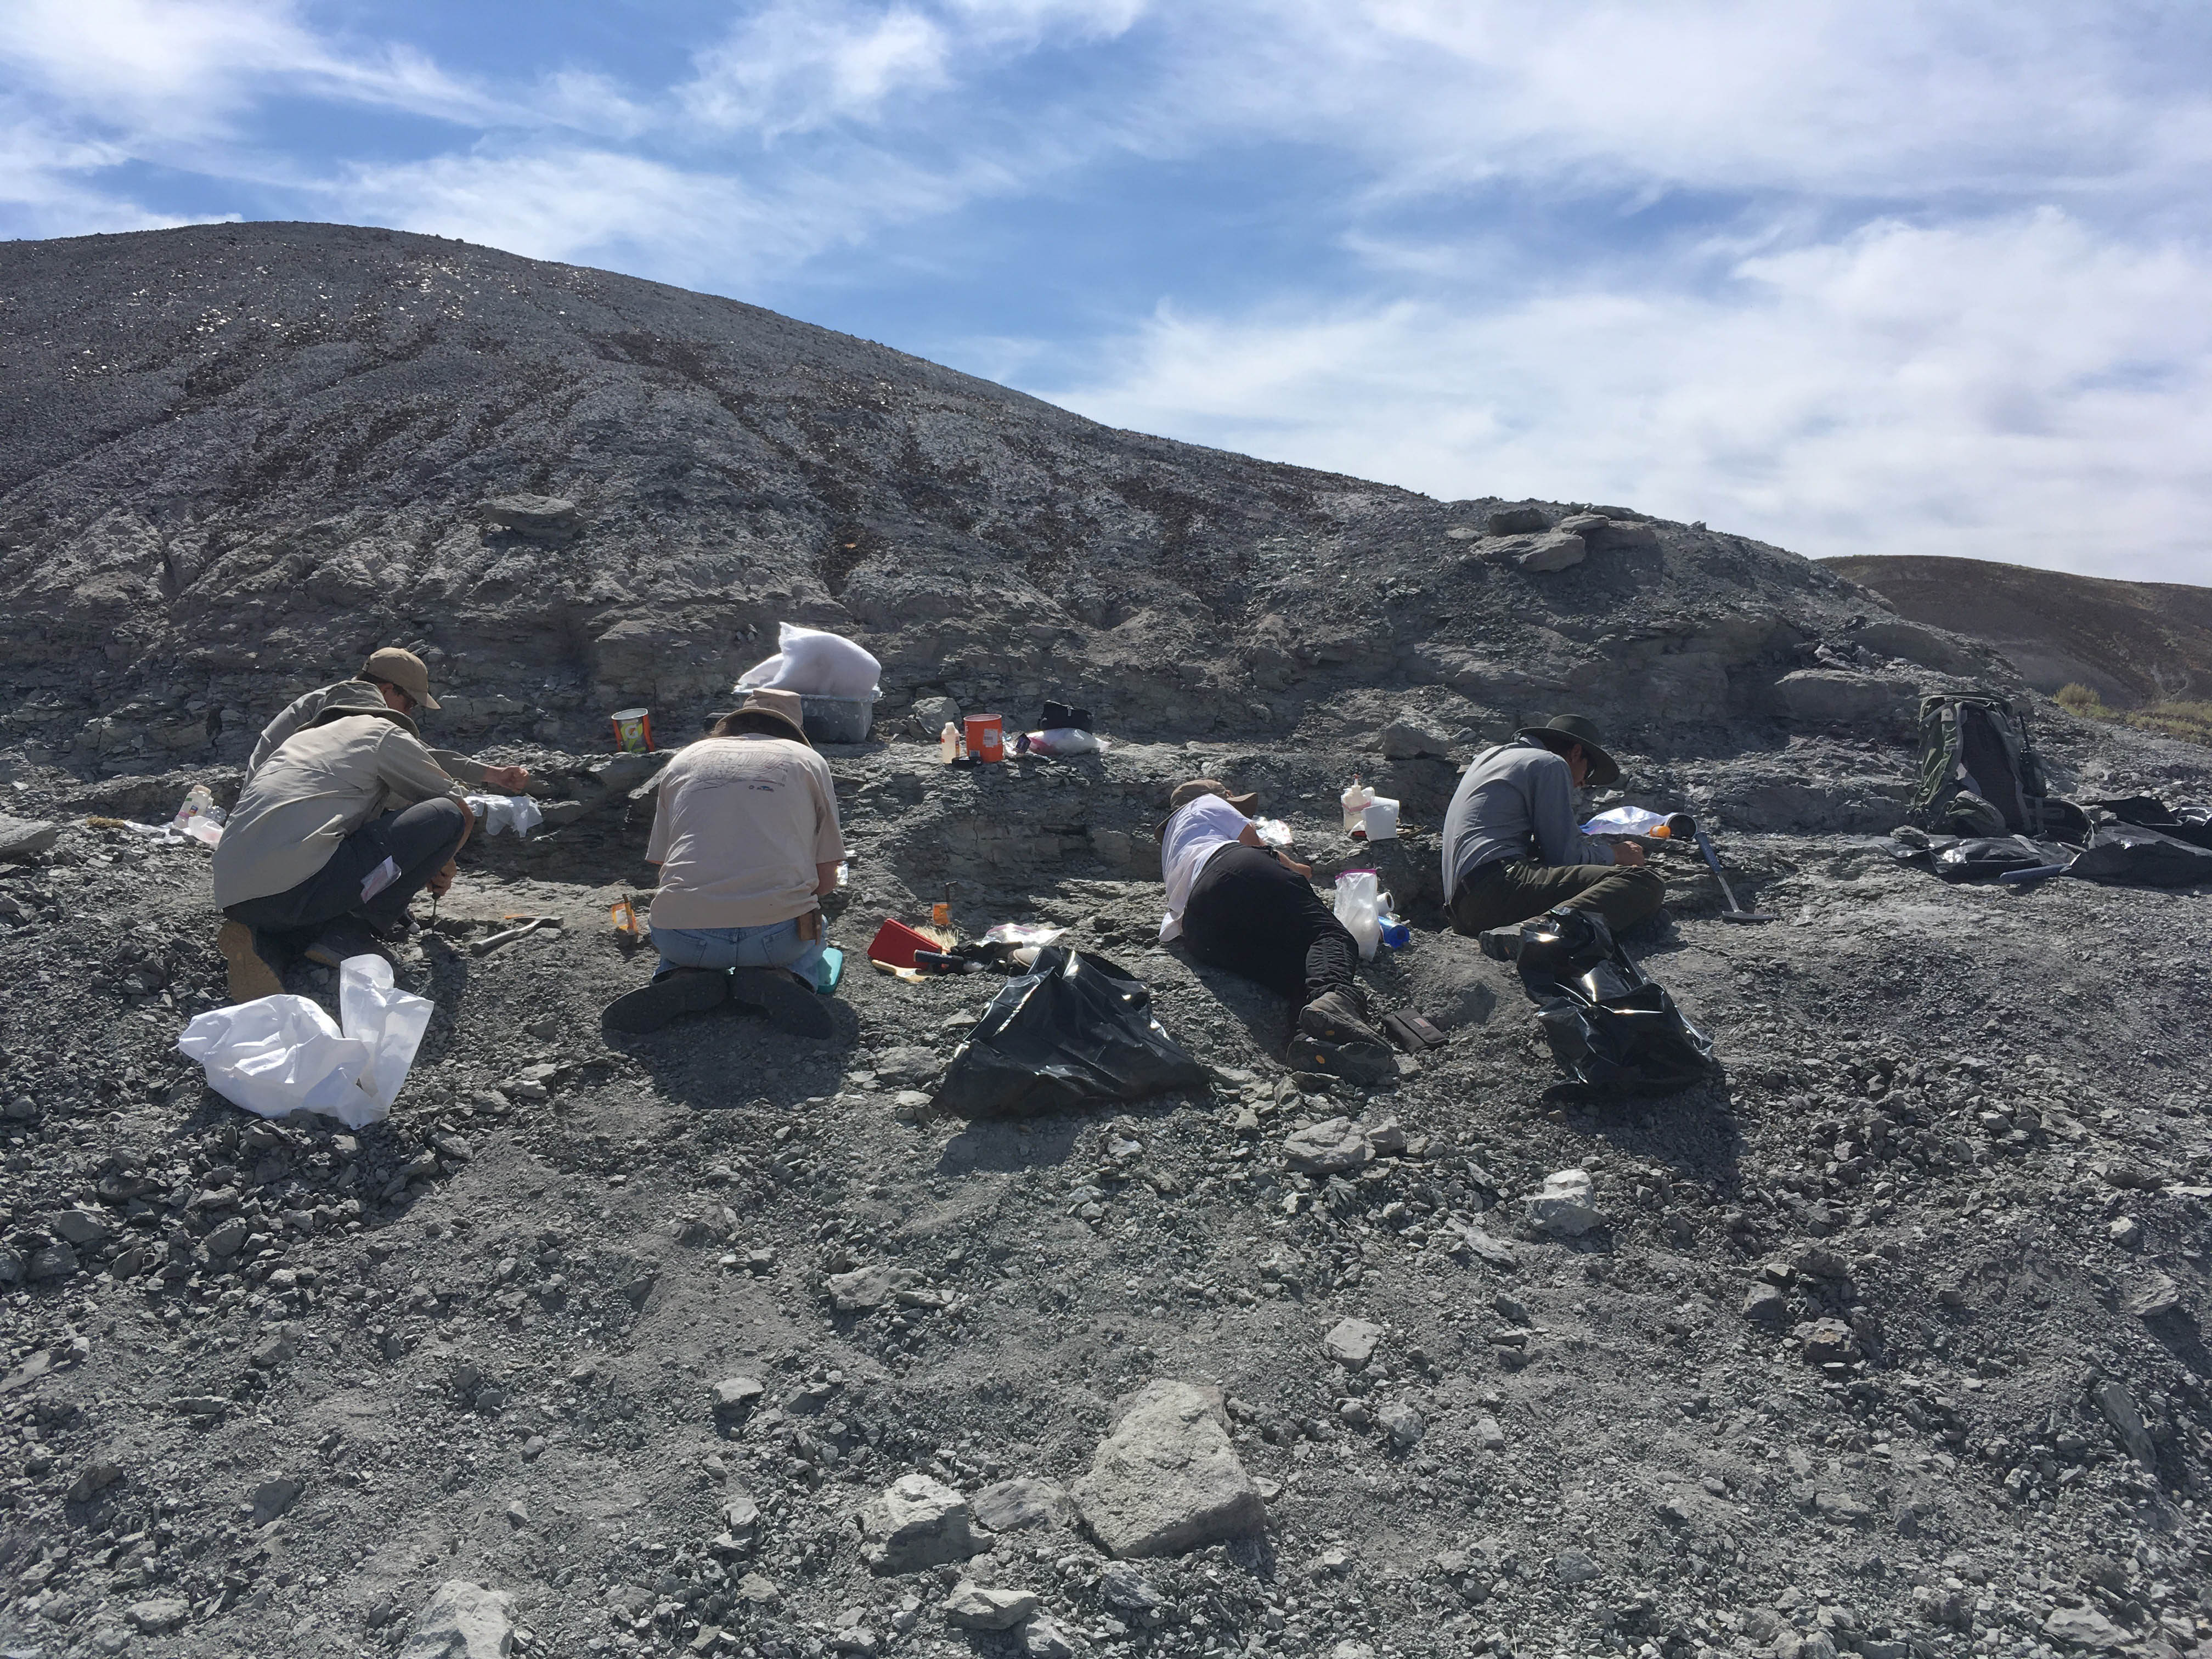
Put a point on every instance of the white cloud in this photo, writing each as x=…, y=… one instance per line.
x=801, y=64
x=2015, y=389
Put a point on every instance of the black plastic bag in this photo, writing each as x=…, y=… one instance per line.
x=1073, y=1031
x=2130, y=854
x=1611, y=1026
x=1984, y=858
x=2186, y=823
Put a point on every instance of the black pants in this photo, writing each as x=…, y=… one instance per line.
x=1249, y=913
x=419, y=841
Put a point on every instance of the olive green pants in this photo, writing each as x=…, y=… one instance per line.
x=1509, y=890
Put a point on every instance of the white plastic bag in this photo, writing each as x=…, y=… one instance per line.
x=815, y=665
x=1057, y=740
x=1625, y=821
x=517, y=812
x=280, y=1054
x=1361, y=904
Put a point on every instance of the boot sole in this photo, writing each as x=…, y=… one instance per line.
x=1355, y=1062
x=687, y=991
x=251, y=975
x=789, y=1005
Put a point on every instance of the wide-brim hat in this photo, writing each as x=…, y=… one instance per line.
x=782, y=707
x=1187, y=793
x=1603, y=769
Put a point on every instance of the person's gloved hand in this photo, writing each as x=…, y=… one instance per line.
x=443, y=880
x=1628, y=854
x=508, y=780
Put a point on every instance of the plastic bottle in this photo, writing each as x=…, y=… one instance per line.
x=948, y=744
x=1356, y=799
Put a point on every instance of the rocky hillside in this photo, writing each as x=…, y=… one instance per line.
x=233, y=456
x=2132, y=643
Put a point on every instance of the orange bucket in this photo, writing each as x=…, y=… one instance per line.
x=986, y=736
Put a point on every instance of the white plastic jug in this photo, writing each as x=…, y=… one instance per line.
x=1380, y=818
x=1360, y=906
x=1356, y=799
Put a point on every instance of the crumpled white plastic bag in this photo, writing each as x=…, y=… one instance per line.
x=1360, y=903
x=281, y=1054
x=517, y=812
x=815, y=664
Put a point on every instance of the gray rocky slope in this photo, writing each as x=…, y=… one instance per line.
x=1885, y=1341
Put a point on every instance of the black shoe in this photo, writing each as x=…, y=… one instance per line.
x=685, y=991
x=1337, y=1017
x=790, y=1006
x=1500, y=944
x=347, y=938
x=1357, y=1061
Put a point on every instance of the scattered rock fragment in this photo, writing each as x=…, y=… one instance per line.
x=158, y=1615
x=1166, y=1478
x=1573, y=1567
x=548, y=520
x=1048, y=1638
x=2117, y=1407
x=1130, y=1593
x=1562, y=1205
x=973, y=1606
x=1350, y=1342
x=1023, y=1503
x=96, y=1477
x=734, y=1396
x=1327, y=1147
x=274, y=1498
x=866, y=1289
x=2084, y=1628
x=462, y=1620
x=23, y=839
x=916, y=1523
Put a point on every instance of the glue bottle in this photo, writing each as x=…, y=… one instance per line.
x=948, y=744
x=1356, y=799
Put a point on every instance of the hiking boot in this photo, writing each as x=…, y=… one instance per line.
x=255, y=966
x=1501, y=944
x=1362, y=1061
x=791, y=1005
x=1337, y=1017
x=682, y=990
x=348, y=939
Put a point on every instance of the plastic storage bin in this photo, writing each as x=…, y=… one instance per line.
x=837, y=719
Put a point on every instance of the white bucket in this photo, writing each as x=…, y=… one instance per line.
x=1380, y=819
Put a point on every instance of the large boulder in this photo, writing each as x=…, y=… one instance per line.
x=1167, y=1480
x=1836, y=697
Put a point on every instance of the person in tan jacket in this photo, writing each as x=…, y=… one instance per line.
x=332, y=836
x=744, y=830
x=403, y=680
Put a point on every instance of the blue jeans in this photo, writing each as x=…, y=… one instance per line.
x=776, y=946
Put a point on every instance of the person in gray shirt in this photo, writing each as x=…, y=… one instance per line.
x=1512, y=849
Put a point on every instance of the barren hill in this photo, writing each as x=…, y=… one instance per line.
x=2130, y=642
x=1882, y=1339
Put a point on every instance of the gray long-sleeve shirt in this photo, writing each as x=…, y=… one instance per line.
x=1517, y=801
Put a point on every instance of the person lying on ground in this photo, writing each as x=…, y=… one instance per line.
x=744, y=830
x=1512, y=849
x=331, y=838
x=1247, y=909
x=401, y=678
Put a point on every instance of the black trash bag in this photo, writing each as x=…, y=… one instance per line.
x=2186, y=823
x=1073, y=1031
x=1612, y=1027
x=2131, y=855
x=1984, y=858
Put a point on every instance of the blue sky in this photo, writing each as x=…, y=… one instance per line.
x=1858, y=276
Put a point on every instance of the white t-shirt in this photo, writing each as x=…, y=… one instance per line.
x=1194, y=835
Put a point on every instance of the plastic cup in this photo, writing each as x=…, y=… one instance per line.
x=633, y=730
x=986, y=736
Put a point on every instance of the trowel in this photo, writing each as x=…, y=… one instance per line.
x=1681, y=823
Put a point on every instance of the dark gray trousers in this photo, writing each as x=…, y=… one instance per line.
x=419, y=841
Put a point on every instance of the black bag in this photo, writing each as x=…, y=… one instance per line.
x=2190, y=824
x=1073, y=1031
x=1984, y=858
x=2136, y=856
x=1611, y=1026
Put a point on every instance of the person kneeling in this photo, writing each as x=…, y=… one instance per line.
x=1511, y=848
x=744, y=830
x=332, y=837
x=1241, y=905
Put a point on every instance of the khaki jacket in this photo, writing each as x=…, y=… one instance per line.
x=320, y=786
x=304, y=711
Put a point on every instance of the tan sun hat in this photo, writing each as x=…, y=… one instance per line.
x=1187, y=793
x=402, y=669
x=782, y=707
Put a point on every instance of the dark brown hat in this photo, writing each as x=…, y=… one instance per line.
x=1574, y=729
x=1187, y=793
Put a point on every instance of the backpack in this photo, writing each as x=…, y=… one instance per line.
x=1980, y=775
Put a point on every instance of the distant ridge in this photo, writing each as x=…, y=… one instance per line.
x=2132, y=643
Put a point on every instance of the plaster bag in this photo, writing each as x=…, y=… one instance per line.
x=815, y=664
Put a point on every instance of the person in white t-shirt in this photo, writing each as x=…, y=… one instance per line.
x=1249, y=909
x=744, y=830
